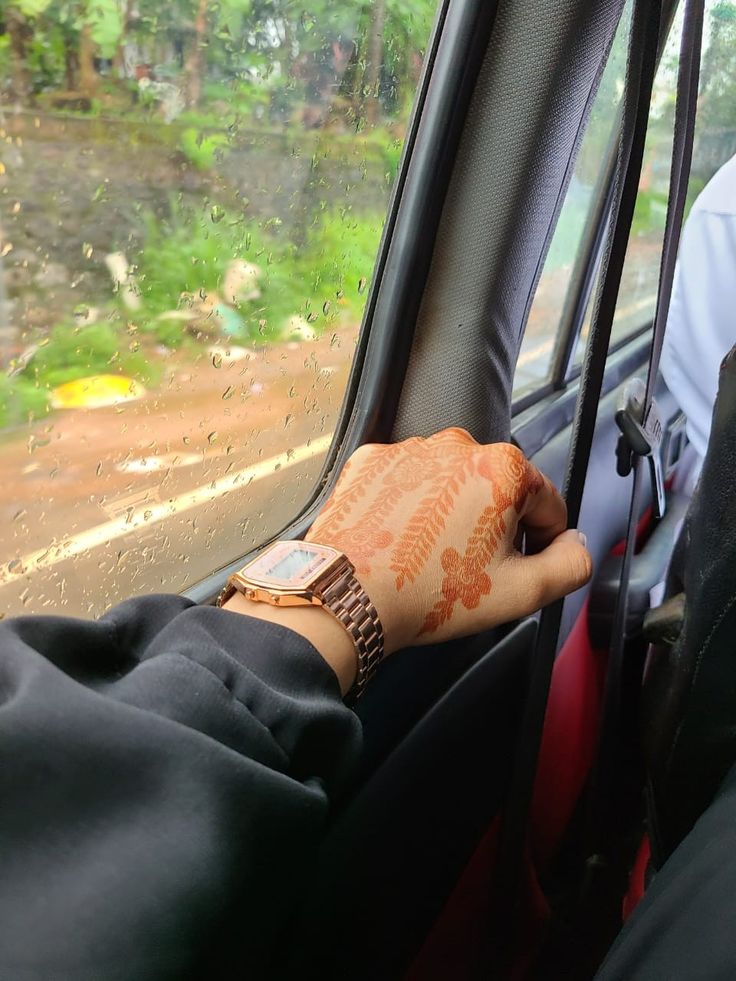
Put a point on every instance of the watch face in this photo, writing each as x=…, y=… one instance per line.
x=291, y=565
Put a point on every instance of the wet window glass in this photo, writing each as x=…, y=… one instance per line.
x=714, y=144
x=191, y=200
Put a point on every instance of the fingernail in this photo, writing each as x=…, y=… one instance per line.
x=583, y=539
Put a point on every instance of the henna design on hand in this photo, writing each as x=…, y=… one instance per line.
x=465, y=576
x=423, y=462
x=343, y=498
x=414, y=548
x=443, y=464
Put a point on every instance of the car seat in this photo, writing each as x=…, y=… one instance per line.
x=689, y=697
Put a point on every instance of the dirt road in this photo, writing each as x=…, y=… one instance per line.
x=98, y=504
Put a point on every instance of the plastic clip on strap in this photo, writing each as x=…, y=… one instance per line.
x=640, y=69
x=641, y=436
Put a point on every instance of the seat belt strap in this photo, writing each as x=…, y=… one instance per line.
x=640, y=418
x=640, y=70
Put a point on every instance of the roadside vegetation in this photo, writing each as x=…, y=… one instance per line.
x=333, y=83
x=210, y=86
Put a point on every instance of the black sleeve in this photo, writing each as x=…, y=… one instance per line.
x=165, y=775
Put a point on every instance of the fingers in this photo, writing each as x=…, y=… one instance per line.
x=545, y=514
x=562, y=567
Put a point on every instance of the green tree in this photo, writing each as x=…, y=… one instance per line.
x=56, y=42
x=718, y=83
x=20, y=19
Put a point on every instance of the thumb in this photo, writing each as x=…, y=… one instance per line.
x=562, y=567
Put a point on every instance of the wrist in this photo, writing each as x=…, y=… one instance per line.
x=382, y=594
x=316, y=624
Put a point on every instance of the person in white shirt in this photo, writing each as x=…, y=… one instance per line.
x=701, y=327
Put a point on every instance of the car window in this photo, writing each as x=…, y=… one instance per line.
x=714, y=144
x=191, y=201
x=535, y=358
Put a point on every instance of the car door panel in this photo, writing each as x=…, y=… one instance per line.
x=440, y=730
x=396, y=848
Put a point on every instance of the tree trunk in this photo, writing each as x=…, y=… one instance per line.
x=19, y=32
x=88, y=77
x=195, y=62
x=71, y=64
x=372, y=77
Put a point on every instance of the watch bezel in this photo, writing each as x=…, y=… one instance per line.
x=287, y=592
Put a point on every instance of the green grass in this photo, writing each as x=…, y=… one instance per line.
x=323, y=282
x=187, y=255
x=202, y=149
x=21, y=400
x=70, y=352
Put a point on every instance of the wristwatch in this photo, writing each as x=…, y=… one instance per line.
x=303, y=574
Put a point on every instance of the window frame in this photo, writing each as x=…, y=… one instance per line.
x=562, y=369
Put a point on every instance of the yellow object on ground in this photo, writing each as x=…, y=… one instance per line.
x=96, y=391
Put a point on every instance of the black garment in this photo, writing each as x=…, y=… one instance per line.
x=165, y=775
x=684, y=927
x=164, y=778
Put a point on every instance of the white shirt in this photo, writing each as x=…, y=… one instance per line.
x=701, y=327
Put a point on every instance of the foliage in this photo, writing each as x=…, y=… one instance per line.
x=717, y=106
x=202, y=149
x=105, y=18
x=72, y=352
x=187, y=252
x=21, y=400
x=271, y=56
x=338, y=259
x=32, y=8
x=650, y=213
x=391, y=148
x=5, y=57
x=185, y=258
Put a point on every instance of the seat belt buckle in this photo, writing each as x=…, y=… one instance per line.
x=641, y=436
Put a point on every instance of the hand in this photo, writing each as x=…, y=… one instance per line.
x=430, y=526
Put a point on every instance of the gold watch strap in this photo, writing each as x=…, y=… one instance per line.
x=346, y=599
x=227, y=592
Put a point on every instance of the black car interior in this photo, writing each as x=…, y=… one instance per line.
x=507, y=92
